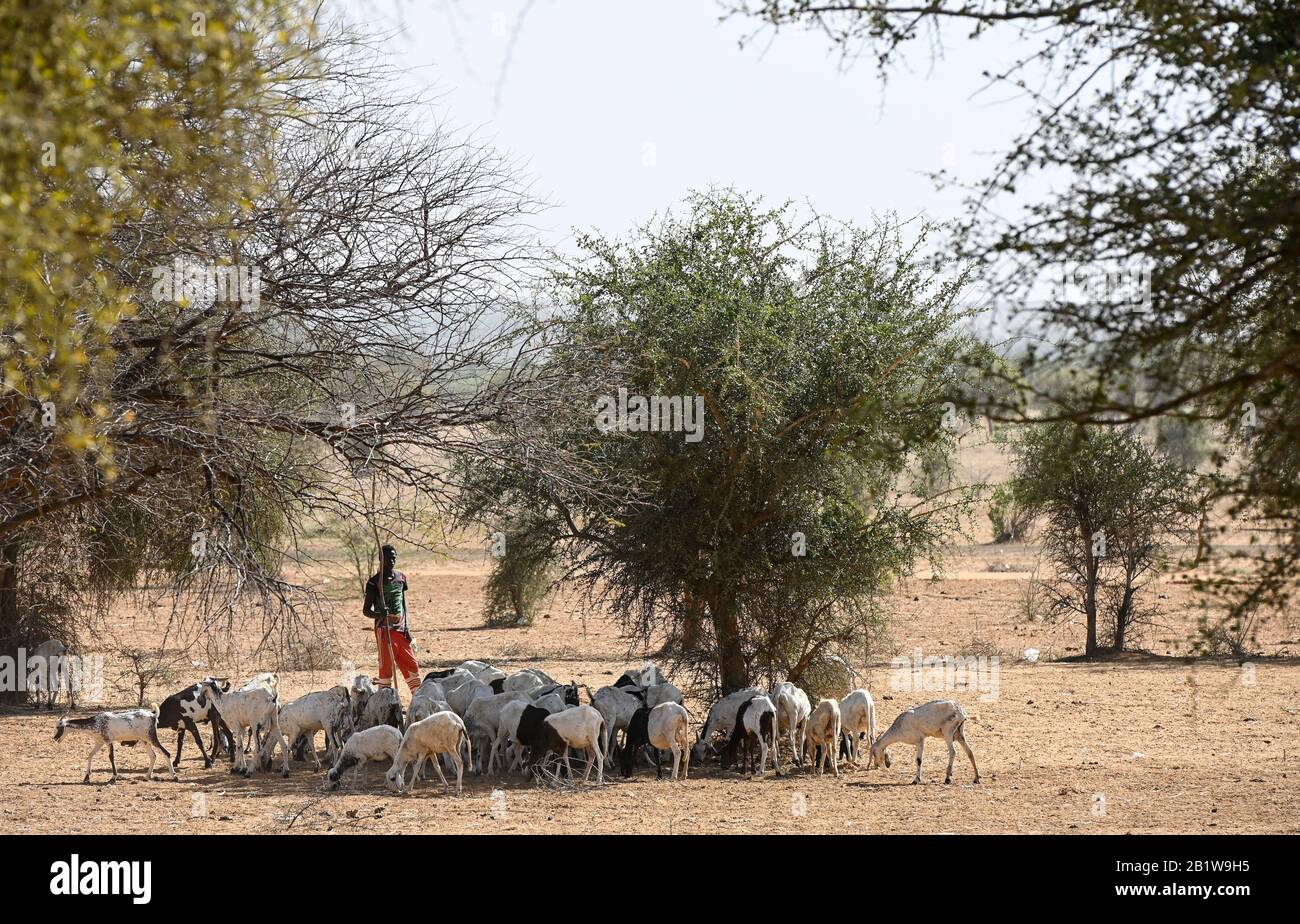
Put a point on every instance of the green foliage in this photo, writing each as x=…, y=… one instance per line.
x=119, y=115
x=1111, y=507
x=822, y=355
x=1008, y=516
x=520, y=578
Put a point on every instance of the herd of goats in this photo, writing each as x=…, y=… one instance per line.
x=478, y=716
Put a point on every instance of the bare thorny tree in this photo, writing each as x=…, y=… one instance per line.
x=383, y=338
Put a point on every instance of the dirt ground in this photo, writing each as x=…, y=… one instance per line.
x=1147, y=744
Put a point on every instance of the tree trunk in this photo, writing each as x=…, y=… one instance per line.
x=733, y=673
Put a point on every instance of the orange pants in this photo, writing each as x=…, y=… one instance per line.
x=400, y=651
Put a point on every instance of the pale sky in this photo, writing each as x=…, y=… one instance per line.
x=616, y=109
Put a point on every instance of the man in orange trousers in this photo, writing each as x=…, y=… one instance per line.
x=392, y=632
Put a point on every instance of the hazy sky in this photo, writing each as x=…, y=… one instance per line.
x=616, y=109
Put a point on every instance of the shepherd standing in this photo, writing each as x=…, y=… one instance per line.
x=392, y=632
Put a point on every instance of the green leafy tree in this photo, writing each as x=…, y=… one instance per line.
x=1111, y=507
x=762, y=534
x=1164, y=264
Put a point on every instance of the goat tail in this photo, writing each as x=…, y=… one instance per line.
x=469, y=748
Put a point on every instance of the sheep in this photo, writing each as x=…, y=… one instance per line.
x=943, y=718
x=823, y=731
x=125, y=727
x=721, y=720
x=551, y=702
x=383, y=708
x=579, y=727
x=423, y=708
x=616, y=706
x=482, y=719
x=755, y=725
x=792, y=711
x=362, y=748
x=328, y=711
x=440, y=733
x=665, y=727
x=254, y=709
x=857, y=716
x=184, y=710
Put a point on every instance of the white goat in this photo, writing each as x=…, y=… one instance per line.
x=857, y=715
x=666, y=727
x=328, y=711
x=943, y=718
x=440, y=733
x=616, y=706
x=268, y=681
x=255, y=710
x=755, y=724
x=461, y=696
x=372, y=744
x=50, y=674
x=824, y=732
x=721, y=720
x=483, y=719
x=362, y=689
x=579, y=727
x=125, y=727
x=792, y=711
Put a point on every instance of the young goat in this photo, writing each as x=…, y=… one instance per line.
x=943, y=718
x=440, y=733
x=755, y=726
x=857, y=717
x=824, y=733
x=126, y=727
x=665, y=727
x=362, y=748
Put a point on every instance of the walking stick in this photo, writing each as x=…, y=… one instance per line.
x=379, y=589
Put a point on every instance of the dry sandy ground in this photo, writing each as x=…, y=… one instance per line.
x=1143, y=745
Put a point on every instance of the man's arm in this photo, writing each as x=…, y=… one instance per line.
x=371, y=606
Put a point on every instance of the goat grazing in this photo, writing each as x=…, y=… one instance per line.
x=721, y=720
x=665, y=727
x=440, y=733
x=362, y=748
x=755, y=728
x=824, y=733
x=857, y=717
x=254, y=709
x=943, y=718
x=792, y=711
x=126, y=727
x=328, y=711
x=579, y=727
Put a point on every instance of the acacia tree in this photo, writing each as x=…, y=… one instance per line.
x=1168, y=132
x=1112, y=506
x=219, y=422
x=820, y=356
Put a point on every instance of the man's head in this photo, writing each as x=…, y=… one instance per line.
x=389, y=556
